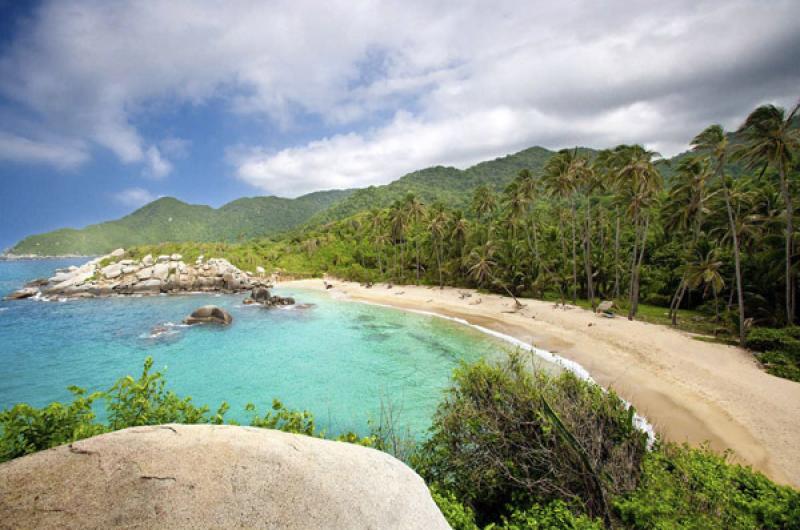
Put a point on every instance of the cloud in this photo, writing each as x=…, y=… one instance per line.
x=385, y=87
x=68, y=155
x=134, y=197
x=157, y=166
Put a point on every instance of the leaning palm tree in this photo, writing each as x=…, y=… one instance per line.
x=714, y=142
x=480, y=263
x=770, y=139
x=685, y=210
x=706, y=272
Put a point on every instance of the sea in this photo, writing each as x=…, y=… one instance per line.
x=343, y=361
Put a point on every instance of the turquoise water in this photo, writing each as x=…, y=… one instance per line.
x=337, y=359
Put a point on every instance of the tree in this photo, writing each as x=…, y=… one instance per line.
x=415, y=210
x=714, y=142
x=558, y=181
x=638, y=181
x=706, y=272
x=685, y=210
x=771, y=137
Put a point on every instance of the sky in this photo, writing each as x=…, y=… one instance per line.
x=105, y=106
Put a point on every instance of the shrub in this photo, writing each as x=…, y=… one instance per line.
x=780, y=349
x=785, y=340
x=505, y=436
x=698, y=489
x=553, y=516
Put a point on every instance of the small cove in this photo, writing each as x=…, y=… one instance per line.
x=340, y=360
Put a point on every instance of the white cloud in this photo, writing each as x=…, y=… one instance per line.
x=66, y=155
x=157, y=166
x=134, y=197
x=410, y=83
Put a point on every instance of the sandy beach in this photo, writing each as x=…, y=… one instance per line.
x=689, y=390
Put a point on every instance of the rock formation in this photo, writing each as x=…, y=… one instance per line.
x=213, y=476
x=209, y=314
x=261, y=295
x=113, y=275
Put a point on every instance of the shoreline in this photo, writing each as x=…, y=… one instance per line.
x=690, y=391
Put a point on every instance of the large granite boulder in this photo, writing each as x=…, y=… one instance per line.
x=213, y=476
x=260, y=295
x=209, y=314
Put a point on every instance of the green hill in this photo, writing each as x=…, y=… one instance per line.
x=168, y=219
x=447, y=184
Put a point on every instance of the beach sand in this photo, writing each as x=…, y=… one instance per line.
x=689, y=390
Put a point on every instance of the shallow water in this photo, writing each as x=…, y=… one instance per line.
x=338, y=359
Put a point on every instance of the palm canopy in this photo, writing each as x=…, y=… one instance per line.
x=770, y=137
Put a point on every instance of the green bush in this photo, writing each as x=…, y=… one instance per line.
x=553, y=516
x=780, y=350
x=690, y=488
x=785, y=340
x=504, y=436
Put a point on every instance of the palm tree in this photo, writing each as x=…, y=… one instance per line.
x=707, y=272
x=685, y=210
x=558, y=181
x=770, y=140
x=584, y=177
x=639, y=181
x=480, y=263
x=437, y=227
x=415, y=210
x=714, y=142
x=398, y=223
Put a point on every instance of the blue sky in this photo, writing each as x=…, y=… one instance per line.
x=107, y=105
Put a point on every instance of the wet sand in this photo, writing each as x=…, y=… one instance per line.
x=689, y=390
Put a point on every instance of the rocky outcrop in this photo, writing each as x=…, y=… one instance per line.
x=209, y=314
x=261, y=295
x=114, y=275
x=213, y=476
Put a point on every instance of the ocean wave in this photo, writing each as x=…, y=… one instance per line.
x=164, y=330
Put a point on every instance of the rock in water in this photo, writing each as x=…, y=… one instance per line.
x=25, y=292
x=260, y=295
x=213, y=476
x=209, y=314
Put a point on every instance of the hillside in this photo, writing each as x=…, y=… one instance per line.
x=447, y=184
x=168, y=219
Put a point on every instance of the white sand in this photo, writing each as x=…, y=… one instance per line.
x=690, y=390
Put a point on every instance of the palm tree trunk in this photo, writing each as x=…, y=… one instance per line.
x=787, y=199
x=737, y=261
x=616, y=255
x=574, y=256
x=637, y=268
x=587, y=251
x=677, y=298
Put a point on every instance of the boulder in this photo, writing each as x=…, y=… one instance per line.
x=209, y=314
x=147, y=261
x=151, y=286
x=19, y=294
x=176, y=257
x=112, y=271
x=213, y=476
x=161, y=270
x=260, y=295
x=38, y=282
x=145, y=273
x=260, y=270
x=163, y=258
x=118, y=253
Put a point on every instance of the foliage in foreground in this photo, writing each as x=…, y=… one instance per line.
x=509, y=450
x=498, y=459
